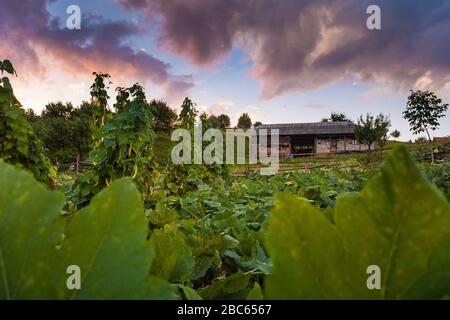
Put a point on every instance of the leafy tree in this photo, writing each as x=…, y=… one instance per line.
x=31, y=115
x=57, y=110
x=382, y=125
x=224, y=121
x=65, y=131
x=372, y=129
x=187, y=114
x=395, y=134
x=19, y=145
x=214, y=121
x=336, y=117
x=164, y=116
x=257, y=124
x=244, y=122
x=423, y=111
x=209, y=121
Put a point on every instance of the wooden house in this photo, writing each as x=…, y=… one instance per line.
x=297, y=139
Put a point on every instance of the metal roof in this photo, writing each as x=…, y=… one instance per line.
x=341, y=127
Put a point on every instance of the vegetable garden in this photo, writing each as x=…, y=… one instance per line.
x=140, y=230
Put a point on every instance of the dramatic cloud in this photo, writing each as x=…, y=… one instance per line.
x=27, y=30
x=305, y=44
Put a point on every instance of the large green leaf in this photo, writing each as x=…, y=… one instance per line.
x=399, y=222
x=174, y=260
x=106, y=241
x=27, y=234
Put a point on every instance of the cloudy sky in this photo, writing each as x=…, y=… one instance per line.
x=279, y=60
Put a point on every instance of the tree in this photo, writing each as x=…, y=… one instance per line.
x=188, y=114
x=395, y=134
x=336, y=117
x=244, y=122
x=165, y=117
x=31, y=115
x=382, y=125
x=423, y=111
x=370, y=130
x=65, y=131
x=224, y=121
x=257, y=124
x=57, y=110
x=214, y=121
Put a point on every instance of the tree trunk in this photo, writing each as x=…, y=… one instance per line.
x=77, y=166
x=430, y=143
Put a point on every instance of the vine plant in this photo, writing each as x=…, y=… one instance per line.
x=18, y=143
x=123, y=142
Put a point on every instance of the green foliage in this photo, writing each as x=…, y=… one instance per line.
x=100, y=98
x=123, y=147
x=174, y=261
x=399, y=222
x=188, y=114
x=395, y=134
x=66, y=132
x=336, y=117
x=209, y=121
x=181, y=178
x=224, y=121
x=36, y=248
x=372, y=129
x=165, y=117
x=18, y=143
x=423, y=111
x=244, y=122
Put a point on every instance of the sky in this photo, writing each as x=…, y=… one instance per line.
x=281, y=61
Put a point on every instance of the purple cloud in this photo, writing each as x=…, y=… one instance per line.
x=305, y=44
x=26, y=26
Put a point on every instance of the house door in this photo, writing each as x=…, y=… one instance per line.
x=333, y=146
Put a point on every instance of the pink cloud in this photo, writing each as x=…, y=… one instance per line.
x=306, y=44
x=26, y=28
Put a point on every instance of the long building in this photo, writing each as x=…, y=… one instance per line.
x=315, y=138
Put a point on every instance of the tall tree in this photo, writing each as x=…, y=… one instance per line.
x=188, y=114
x=165, y=117
x=382, y=125
x=244, y=122
x=224, y=121
x=257, y=124
x=423, y=111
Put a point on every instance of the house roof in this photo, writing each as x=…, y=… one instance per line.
x=341, y=127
